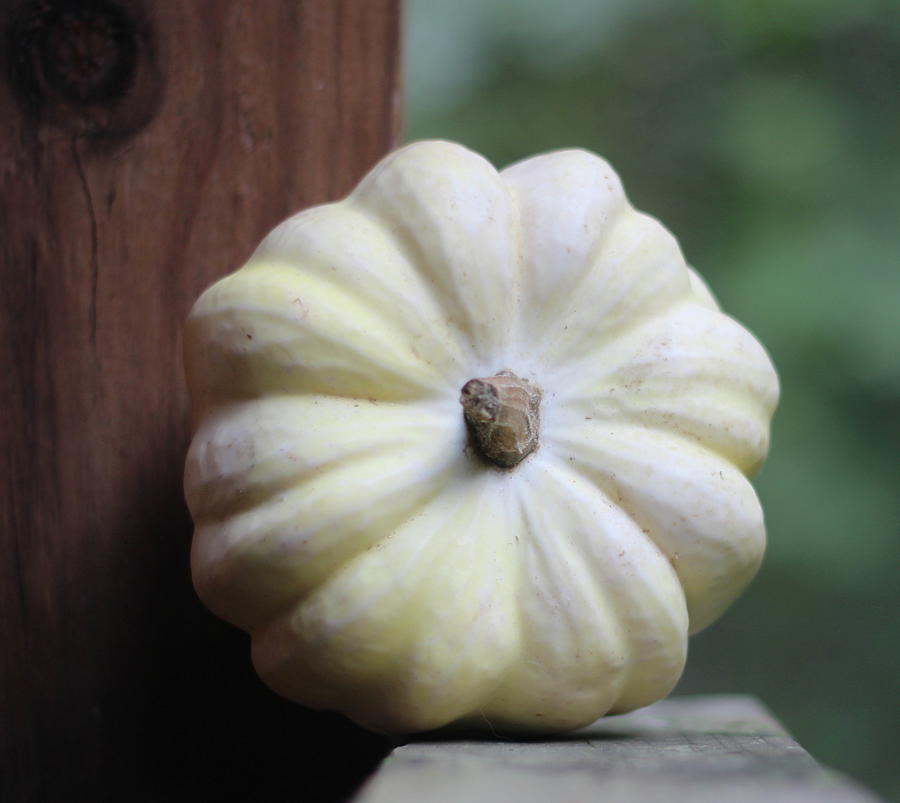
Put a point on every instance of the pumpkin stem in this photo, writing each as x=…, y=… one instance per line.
x=502, y=414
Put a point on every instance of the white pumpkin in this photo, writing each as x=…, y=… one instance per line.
x=346, y=516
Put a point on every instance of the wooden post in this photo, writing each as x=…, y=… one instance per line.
x=146, y=147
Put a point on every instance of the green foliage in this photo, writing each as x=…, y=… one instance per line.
x=765, y=134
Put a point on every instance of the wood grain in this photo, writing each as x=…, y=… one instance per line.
x=146, y=149
x=713, y=749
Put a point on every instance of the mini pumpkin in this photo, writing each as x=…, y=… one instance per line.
x=472, y=447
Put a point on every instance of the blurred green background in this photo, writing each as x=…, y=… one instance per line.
x=766, y=135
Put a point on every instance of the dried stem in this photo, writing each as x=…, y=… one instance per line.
x=502, y=413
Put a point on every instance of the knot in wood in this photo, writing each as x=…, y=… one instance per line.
x=86, y=67
x=85, y=52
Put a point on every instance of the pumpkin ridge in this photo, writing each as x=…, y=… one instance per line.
x=595, y=256
x=570, y=679
x=456, y=317
x=690, y=544
x=635, y=546
x=578, y=354
x=246, y=501
x=689, y=429
x=335, y=568
x=398, y=331
x=389, y=679
x=489, y=344
x=297, y=251
x=229, y=331
x=329, y=561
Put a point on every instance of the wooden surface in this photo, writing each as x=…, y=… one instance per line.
x=146, y=147
x=716, y=749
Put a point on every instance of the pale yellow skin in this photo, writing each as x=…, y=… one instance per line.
x=383, y=570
